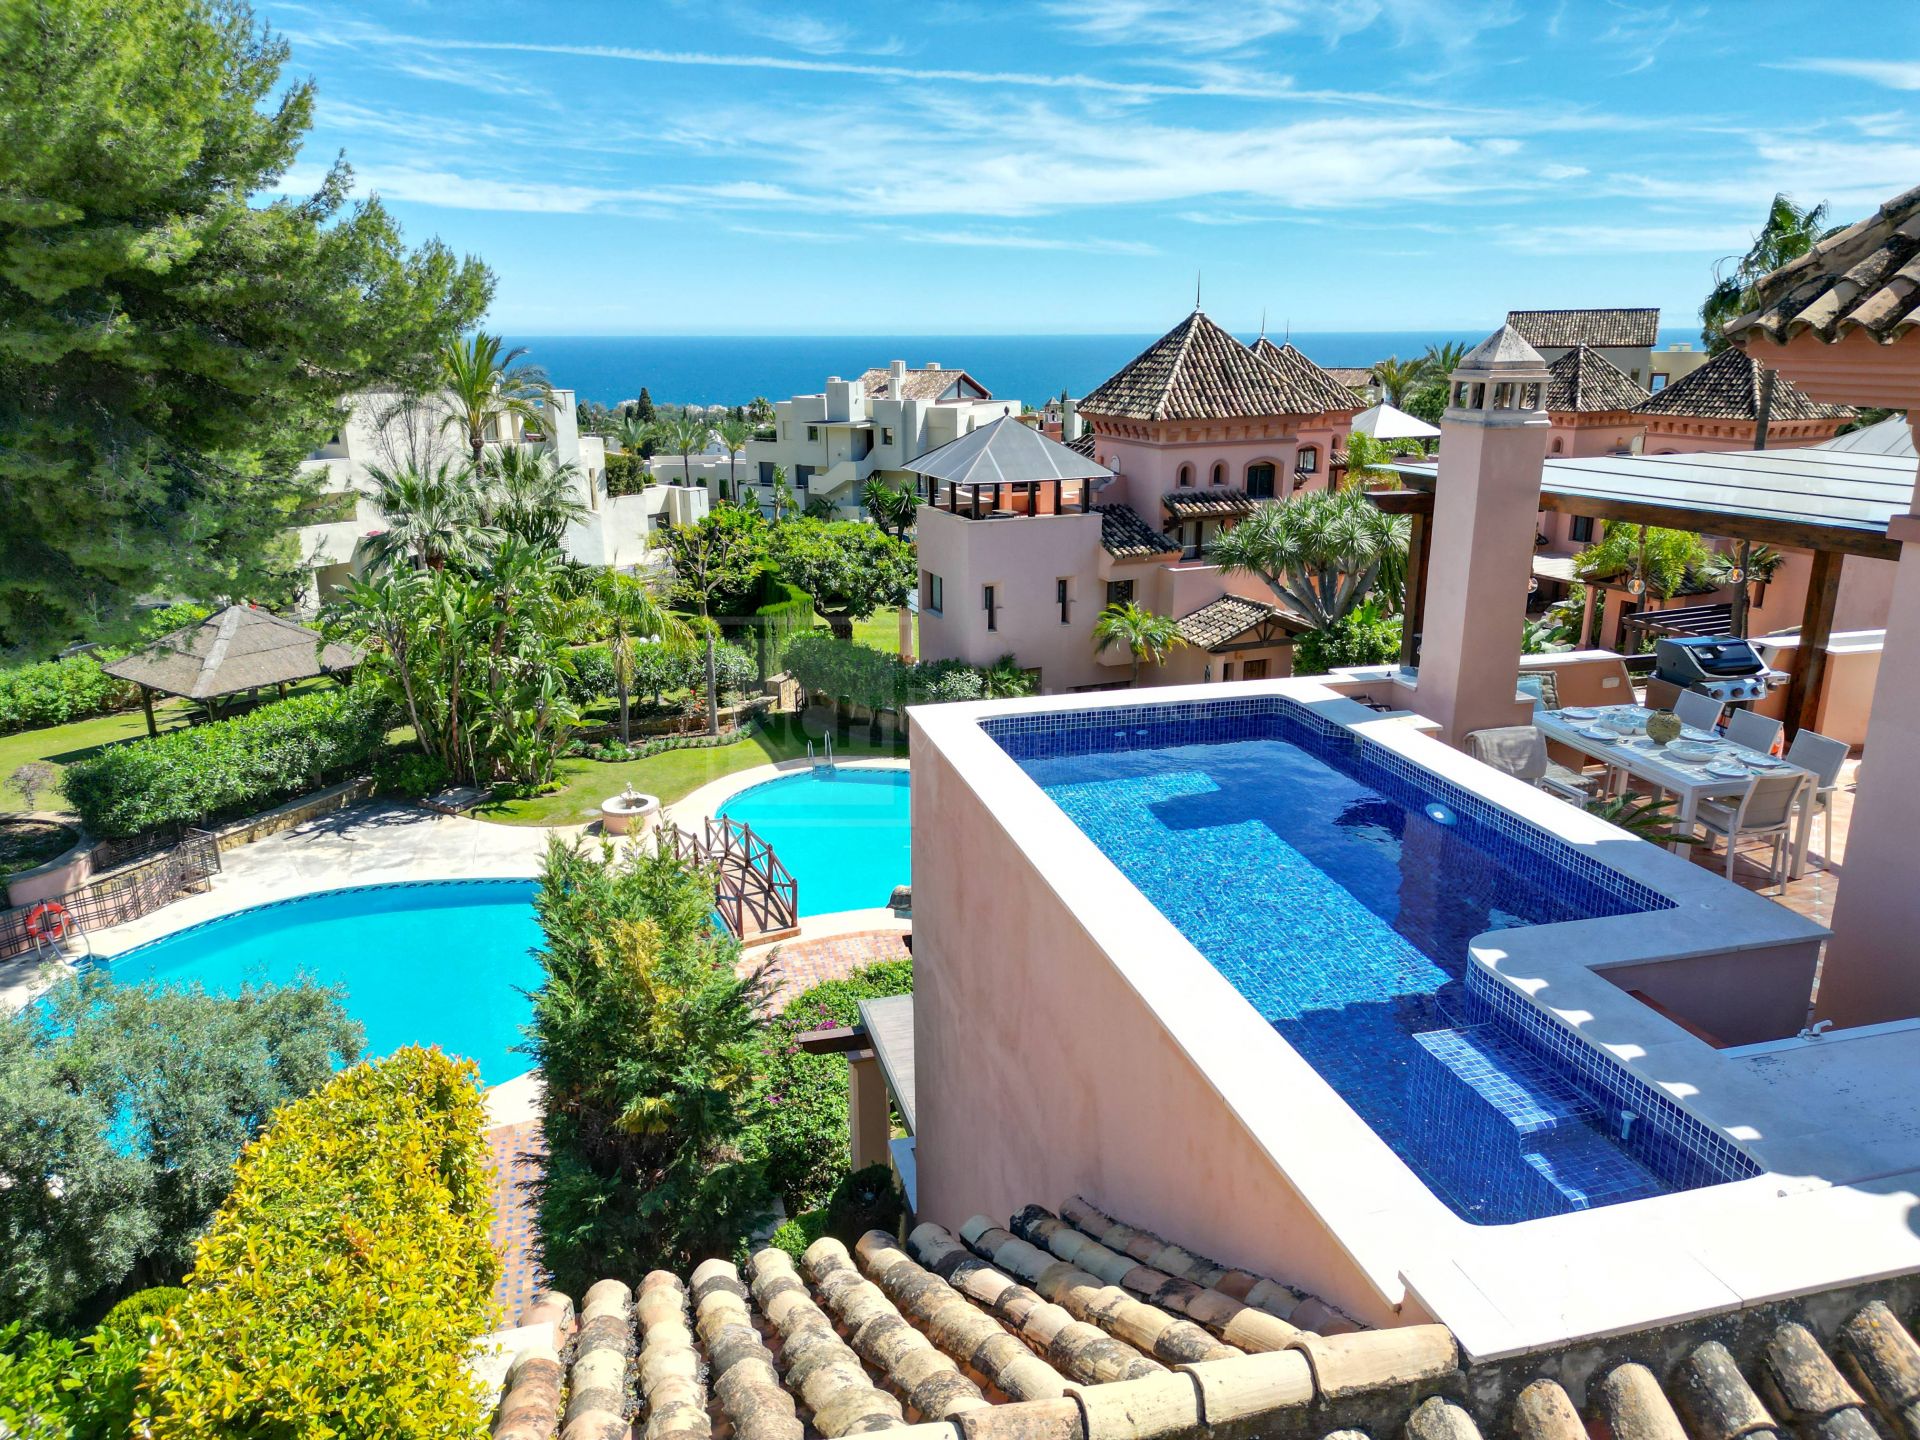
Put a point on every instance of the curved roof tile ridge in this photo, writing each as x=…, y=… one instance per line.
x=1864, y=279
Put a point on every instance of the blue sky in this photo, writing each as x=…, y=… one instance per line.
x=749, y=166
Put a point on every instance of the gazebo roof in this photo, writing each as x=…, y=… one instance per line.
x=1006, y=452
x=1390, y=422
x=238, y=648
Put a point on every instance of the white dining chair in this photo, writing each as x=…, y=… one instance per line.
x=1702, y=712
x=1754, y=731
x=1823, y=755
x=1521, y=751
x=1766, y=809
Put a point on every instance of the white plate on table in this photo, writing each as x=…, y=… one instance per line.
x=1692, y=751
x=1758, y=761
x=1600, y=732
x=1688, y=732
x=1580, y=712
x=1726, y=769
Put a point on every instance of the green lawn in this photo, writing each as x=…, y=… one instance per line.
x=882, y=631
x=61, y=745
x=585, y=783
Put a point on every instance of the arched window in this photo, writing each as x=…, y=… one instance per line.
x=1260, y=480
x=1186, y=476
x=1307, y=462
x=1556, y=446
x=1219, y=476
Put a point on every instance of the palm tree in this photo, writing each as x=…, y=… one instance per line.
x=482, y=387
x=530, y=494
x=632, y=433
x=1145, y=635
x=632, y=614
x=891, y=506
x=1367, y=460
x=781, y=495
x=1443, y=359
x=1320, y=552
x=1399, y=378
x=1659, y=558
x=734, y=434
x=683, y=434
x=432, y=518
x=1789, y=233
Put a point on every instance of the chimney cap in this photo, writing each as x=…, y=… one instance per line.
x=932, y=365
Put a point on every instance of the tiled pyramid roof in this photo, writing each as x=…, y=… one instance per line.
x=1585, y=381
x=1727, y=387
x=1197, y=371
x=1354, y=377
x=1312, y=379
x=1081, y=1327
x=1125, y=533
x=1865, y=278
x=1557, y=328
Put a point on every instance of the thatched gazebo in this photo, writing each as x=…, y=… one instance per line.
x=235, y=650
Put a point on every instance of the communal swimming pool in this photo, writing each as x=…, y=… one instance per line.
x=1337, y=887
x=841, y=831
x=444, y=963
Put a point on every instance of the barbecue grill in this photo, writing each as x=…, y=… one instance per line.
x=1723, y=667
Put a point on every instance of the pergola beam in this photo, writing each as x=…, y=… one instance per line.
x=1816, y=628
x=1795, y=534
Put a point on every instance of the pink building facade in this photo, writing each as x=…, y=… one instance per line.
x=1190, y=436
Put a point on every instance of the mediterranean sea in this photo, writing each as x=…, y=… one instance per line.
x=732, y=369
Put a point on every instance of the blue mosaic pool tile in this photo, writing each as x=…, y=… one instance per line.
x=1336, y=885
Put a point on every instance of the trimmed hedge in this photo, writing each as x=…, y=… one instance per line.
x=628, y=475
x=57, y=691
x=248, y=762
x=347, y=1276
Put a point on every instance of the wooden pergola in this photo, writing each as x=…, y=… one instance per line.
x=231, y=652
x=1834, y=503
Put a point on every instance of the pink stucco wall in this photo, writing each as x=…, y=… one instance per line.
x=1043, y=1073
x=1148, y=465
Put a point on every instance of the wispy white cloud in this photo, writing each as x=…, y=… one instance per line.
x=1711, y=238
x=1018, y=240
x=1204, y=27
x=1893, y=74
x=482, y=189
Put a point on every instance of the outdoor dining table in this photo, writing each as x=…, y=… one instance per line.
x=1688, y=781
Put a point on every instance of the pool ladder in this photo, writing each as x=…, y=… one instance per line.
x=820, y=762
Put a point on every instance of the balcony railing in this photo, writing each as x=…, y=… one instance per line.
x=999, y=500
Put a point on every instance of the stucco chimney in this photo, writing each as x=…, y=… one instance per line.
x=1069, y=420
x=840, y=398
x=931, y=365
x=897, y=379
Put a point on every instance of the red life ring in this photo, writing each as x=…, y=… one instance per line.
x=49, y=920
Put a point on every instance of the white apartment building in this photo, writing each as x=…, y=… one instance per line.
x=382, y=430
x=832, y=443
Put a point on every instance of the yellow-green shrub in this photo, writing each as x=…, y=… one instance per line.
x=343, y=1282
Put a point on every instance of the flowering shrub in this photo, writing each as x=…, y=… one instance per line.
x=346, y=1277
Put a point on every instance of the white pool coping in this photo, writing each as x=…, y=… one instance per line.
x=1834, y=1122
x=704, y=803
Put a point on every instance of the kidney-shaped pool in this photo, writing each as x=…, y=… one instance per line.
x=445, y=963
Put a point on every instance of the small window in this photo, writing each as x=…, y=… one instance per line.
x=886, y=434
x=1219, y=476
x=1119, y=592
x=1260, y=481
x=1226, y=670
x=1254, y=670
x=813, y=433
x=1307, y=462
x=990, y=602
x=936, y=592
x=1658, y=383
x=1186, y=476
x=1063, y=596
x=1558, y=444
x=1581, y=530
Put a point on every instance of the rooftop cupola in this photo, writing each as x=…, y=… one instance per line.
x=1502, y=381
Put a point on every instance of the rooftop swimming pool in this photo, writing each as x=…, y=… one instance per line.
x=445, y=963
x=841, y=831
x=1338, y=886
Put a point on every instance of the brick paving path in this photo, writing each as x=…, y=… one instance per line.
x=515, y=1151
x=801, y=964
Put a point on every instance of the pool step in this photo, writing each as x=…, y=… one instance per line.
x=1518, y=1132
x=1515, y=1084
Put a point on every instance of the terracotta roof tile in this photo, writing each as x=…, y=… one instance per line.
x=1585, y=382
x=1865, y=278
x=1354, y=377
x=922, y=384
x=1197, y=371
x=1614, y=328
x=1219, y=621
x=1727, y=387
x=1079, y=1326
x=1124, y=533
x=1308, y=378
x=1082, y=444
